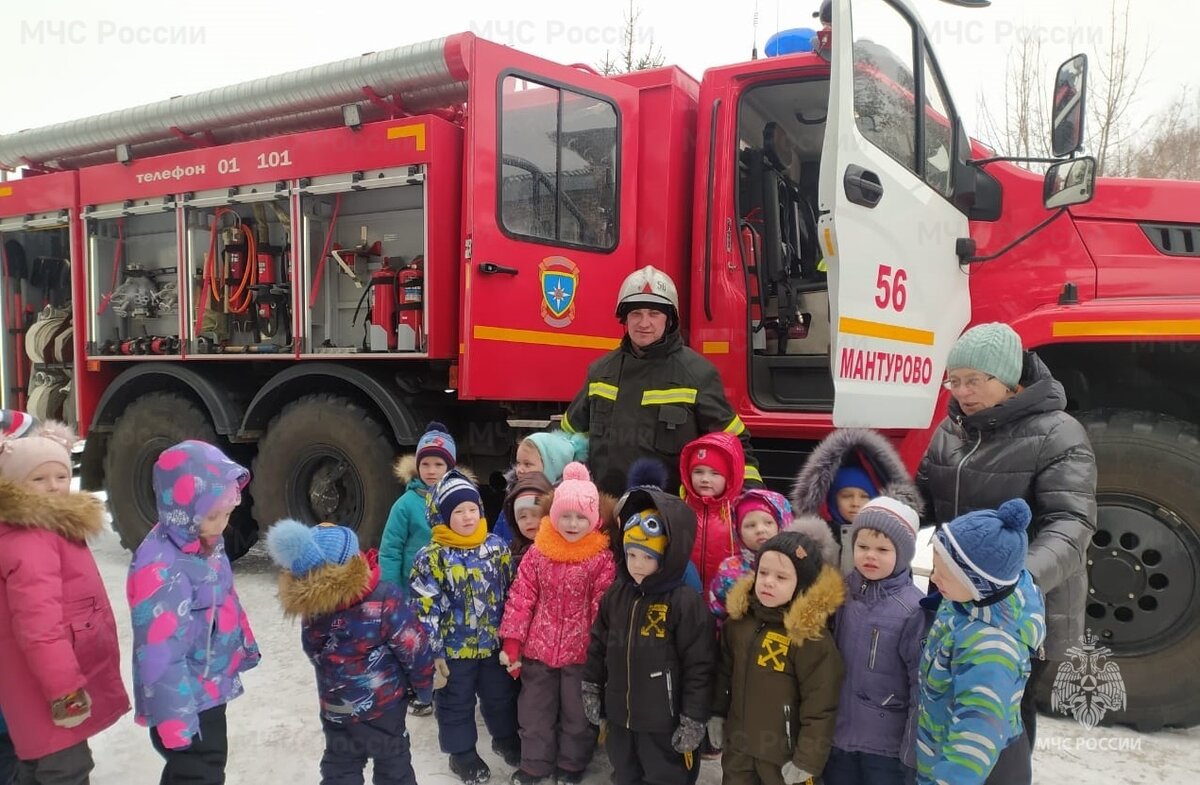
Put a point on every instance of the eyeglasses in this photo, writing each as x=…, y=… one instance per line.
x=970, y=383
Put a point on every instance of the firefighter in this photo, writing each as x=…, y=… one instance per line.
x=651, y=395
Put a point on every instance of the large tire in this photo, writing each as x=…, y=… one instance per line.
x=1144, y=563
x=148, y=426
x=325, y=459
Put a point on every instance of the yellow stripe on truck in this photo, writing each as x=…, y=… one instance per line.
x=544, y=338
x=1130, y=327
x=891, y=332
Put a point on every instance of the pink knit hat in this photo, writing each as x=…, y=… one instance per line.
x=577, y=493
x=48, y=442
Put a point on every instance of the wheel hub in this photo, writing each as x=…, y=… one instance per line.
x=328, y=486
x=1141, y=576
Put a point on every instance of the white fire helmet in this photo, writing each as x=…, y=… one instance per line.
x=648, y=287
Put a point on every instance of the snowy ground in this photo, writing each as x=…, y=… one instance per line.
x=274, y=735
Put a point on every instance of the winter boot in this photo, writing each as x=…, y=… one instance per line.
x=470, y=768
x=565, y=777
x=522, y=777
x=508, y=748
x=418, y=709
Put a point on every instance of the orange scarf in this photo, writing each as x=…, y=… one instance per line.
x=551, y=543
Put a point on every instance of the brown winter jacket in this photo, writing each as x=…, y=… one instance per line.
x=781, y=674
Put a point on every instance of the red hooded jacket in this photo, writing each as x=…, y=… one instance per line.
x=716, y=531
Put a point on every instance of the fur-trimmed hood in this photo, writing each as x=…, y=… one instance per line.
x=404, y=469
x=860, y=447
x=818, y=529
x=328, y=588
x=807, y=617
x=75, y=516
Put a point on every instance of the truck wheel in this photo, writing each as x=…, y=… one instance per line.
x=148, y=426
x=1144, y=563
x=325, y=459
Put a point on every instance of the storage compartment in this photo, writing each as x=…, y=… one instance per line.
x=238, y=250
x=133, y=280
x=36, y=267
x=363, y=262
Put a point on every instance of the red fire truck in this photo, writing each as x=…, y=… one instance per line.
x=307, y=268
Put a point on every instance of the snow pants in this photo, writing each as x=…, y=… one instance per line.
x=555, y=732
x=203, y=763
x=647, y=758
x=454, y=704
x=71, y=766
x=383, y=740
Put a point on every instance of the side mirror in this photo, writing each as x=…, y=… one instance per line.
x=1068, y=107
x=1069, y=182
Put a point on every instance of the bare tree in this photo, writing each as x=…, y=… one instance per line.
x=1172, y=150
x=627, y=59
x=1022, y=127
x=1114, y=90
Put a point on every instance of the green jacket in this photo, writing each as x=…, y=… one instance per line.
x=407, y=530
x=780, y=677
x=651, y=405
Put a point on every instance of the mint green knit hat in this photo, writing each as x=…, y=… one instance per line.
x=993, y=348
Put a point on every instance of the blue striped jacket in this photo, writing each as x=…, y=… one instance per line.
x=972, y=676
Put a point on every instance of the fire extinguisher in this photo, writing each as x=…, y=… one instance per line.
x=383, y=303
x=411, y=285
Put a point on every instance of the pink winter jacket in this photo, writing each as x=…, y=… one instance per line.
x=556, y=596
x=57, y=631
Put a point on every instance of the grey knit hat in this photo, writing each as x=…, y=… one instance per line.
x=994, y=348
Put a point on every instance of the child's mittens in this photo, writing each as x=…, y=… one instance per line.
x=510, y=657
x=793, y=774
x=441, y=673
x=71, y=710
x=688, y=735
x=591, y=702
x=716, y=731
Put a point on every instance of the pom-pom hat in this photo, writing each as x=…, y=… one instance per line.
x=300, y=549
x=576, y=493
x=986, y=549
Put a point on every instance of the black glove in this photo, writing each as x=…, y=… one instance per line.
x=688, y=735
x=591, y=702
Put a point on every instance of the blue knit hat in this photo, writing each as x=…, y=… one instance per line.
x=994, y=348
x=437, y=442
x=986, y=549
x=848, y=477
x=301, y=549
x=557, y=449
x=451, y=491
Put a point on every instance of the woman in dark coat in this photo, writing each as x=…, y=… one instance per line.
x=1008, y=435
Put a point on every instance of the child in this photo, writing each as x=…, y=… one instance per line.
x=780, y=670
x=652, y=647
x=878, y=632
x=460, y=581
x=845, y=471
x=760, y=515
x=191, y=637
x=547, y=620
x=407, y=529
x=526, y=504
x=365, y=642
x=976, y=660
x=547, y=452
x=712, y=470
x=60, y=677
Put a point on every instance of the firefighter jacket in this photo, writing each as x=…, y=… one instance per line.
x=650, y=405
x=780, y=674
x=653, y=645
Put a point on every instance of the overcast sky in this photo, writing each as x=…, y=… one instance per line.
x=66, y=59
